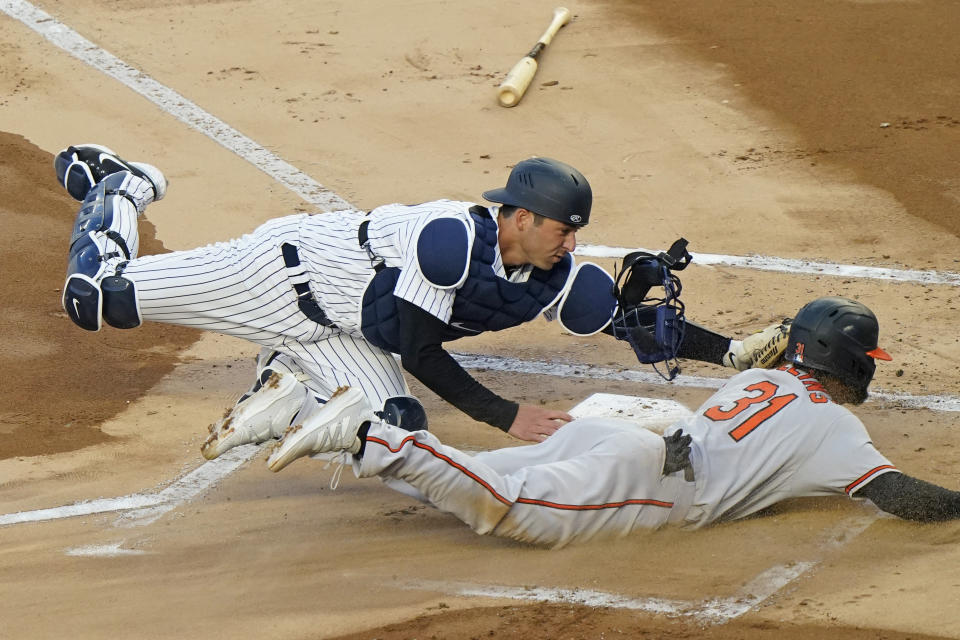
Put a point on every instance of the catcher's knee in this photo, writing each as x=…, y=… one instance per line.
x=113, y=299
x=405, y=412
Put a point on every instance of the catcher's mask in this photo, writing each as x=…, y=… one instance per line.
x=652, y=325
x=839, y=336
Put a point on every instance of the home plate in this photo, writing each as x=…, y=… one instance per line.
x=655, y=414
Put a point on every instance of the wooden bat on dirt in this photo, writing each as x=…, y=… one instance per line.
x=517, y=81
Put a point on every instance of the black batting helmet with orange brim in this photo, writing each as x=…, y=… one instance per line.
x=839, y=336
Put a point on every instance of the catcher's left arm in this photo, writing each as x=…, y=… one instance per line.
x=657, y=331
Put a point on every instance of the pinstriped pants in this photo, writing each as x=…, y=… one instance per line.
x=241, y=288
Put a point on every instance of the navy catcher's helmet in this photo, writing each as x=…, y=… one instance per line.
x=548, y=187
x=839, y=336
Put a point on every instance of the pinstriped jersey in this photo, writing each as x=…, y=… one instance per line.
x=340, y=269
x=766, y=436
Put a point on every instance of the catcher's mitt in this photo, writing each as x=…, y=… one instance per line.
x=653, y=326
x=760, y=350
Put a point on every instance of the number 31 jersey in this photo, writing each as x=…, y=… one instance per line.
x=769, y=435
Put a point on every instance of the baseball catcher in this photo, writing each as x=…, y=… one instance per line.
x=332, y=298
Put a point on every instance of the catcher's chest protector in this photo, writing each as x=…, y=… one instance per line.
x=484, y=302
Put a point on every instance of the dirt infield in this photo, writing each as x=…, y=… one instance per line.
x=826, y=131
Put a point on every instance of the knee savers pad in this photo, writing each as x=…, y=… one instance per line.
x=121, y=306
x=114, y=300
x=405, y=412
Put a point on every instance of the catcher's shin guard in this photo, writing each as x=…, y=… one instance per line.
x=104, y=238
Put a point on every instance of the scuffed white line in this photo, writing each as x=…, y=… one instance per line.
x=145, y=508
x=85, y=508
x=190, y=486
x=934, y=402
x=586, y=597
x=708, y=611
x=104, y=551
x=175, y=104
x=564, y=370
x=315, y=193
x=787, y=265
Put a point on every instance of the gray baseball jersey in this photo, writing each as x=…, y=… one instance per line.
x=766, y=436
x=763, y=437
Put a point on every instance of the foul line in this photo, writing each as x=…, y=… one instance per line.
x=175, y=104
x=320, y=196
x=144, y=508
x=787, y=265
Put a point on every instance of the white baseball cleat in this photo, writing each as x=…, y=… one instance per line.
x=263, y=415
x=333, y=427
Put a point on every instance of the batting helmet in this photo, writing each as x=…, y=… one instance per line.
x=838, y=336
x=547, y=187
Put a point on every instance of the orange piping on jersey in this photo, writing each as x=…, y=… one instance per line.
x=853, y=485
x=446, y=459
x=594, y=507
x=530, y=501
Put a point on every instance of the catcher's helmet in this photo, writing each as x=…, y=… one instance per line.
x=548, y=187
x=839, y=336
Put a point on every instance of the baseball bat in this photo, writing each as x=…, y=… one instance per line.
x=515, y=84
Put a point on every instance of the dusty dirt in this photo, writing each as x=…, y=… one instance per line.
x=45, y=411
x=820, y=130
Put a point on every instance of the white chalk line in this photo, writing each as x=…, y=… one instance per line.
x=787, y=265
x=320, y=196
x=175, y=104
x=705, y=611
x=144, y=509
x=567, y=370
x=112, y=550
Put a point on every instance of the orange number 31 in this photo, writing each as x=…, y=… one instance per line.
x=766, y=403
